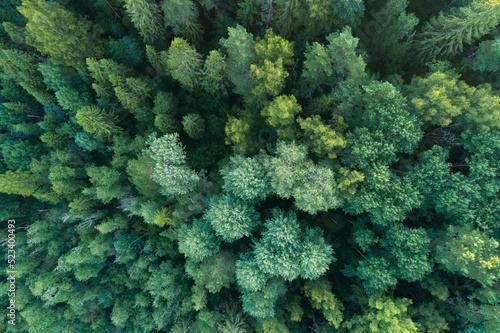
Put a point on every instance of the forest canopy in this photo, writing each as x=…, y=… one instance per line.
x=267, y=166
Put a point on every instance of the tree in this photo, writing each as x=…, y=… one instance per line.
x=321, y=297
x=246, y=178
x=390, y=46
x=273, y=53
x=484, y=59
x=348, y=12
x=108, y=183
x=214, y=78
x=194, y=125
x=147, y=18
x=287, y=252
x=58, y=33
x=17, y=154
x=198, y=241
x=98, y=122
x=291, y=167
x=170, y=170
x=409, y=249
x=18, y=182
x=214, y=273
x=281, y=113
x=383, y=314
x=181, y=16
x=470, y=253
x=384, y=196
x=261, y=304
x=231, y=218
x=322, y=139
x=183, y=63
x=444, y=36
x=338, y=61
x=240, y=48
x=440, y=97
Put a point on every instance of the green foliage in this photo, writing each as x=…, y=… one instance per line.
x=147, y=18
x=53, y=30
x=194, y=125
x=170, y=170
x=181, y=16
x=246, y=178
x=273, y=53
x=281, y=113
x=183, y=63
x=348, y=12
x=231, y=218
x=213, y=77
x=214, y=273
x=120, y=229
x=383, y=314
x=18, y=182
x=444, y=36
x=485, y=57
x=287, y=252
x=322, y=139
x=197, y=241
x=384, y=196
x=101, y=124
x=326, y=66
x=290, y=167
x=470, y=253
x=439, y=98
x=240, y=48
x=321, y=297
x=393, y=45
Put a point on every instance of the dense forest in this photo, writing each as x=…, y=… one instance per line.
x=264, y=166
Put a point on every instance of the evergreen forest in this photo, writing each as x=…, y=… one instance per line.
x=250, y=166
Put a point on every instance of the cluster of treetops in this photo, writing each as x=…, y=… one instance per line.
x=264, y=166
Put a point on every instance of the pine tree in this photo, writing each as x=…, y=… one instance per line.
x=194, y=125
x=198, y=241
x=98, y=122
x=240, y=48
x=147, y=18
x=59, y=34
x=444, y=36
x=231, y=218
x=18, y=182
x=246, y=178
x=183, y=63
x=170, y=170
x=181, y=16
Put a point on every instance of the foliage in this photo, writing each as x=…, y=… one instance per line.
x=58, y=33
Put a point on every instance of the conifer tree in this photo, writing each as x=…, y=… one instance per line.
x=59, y=34
x=98, y=122
x=147, y=18
x=183, y=63
x=444, y=36
x=170, y=170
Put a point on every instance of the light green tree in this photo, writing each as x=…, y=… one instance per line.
x=58, y=33
x=170, y=170
x=197, y=240
x=18, y=182
x=231, y=218
x=183, y=63
x=147, y=18
x=383, y=314
x=471, y=253
x=98, y=122
x=319, y=293
x=281, y=113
